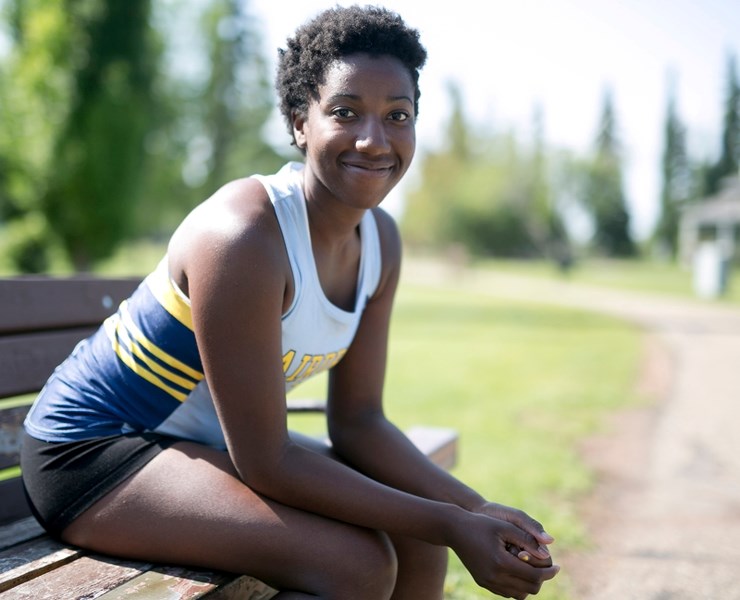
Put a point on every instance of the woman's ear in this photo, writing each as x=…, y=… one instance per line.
x=299, y=134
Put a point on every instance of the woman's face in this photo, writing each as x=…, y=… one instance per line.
x=359, y=136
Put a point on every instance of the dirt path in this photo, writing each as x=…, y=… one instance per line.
x=666, y=515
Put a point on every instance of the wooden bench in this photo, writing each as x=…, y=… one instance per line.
x=41, y=319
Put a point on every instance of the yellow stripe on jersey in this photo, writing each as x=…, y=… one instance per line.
x=111, y=325
x=168, y=296
x=135, y=349
x=141, y=339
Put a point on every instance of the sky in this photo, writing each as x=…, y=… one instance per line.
x=509, y=56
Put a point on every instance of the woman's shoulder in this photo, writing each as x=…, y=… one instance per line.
x=388, y=233
x=234, y=226
x=240, y=207
x=390, y=249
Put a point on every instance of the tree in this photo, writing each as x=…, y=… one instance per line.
x=729, y=160
x=602, y=189
x=237, y=97
x=32, y=109
x=484, y=192
x=544, y=221
x=95, y=122
x=676, y=179
x=76, y=117
x=211, y=121
x=99, y=153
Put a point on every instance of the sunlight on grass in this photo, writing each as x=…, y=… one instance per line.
x=522, y=384
x=648, y=276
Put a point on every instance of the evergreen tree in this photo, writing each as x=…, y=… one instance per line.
x=99, y=153
x=35, y=94
x=544, y=221
x=237, y=97
x=92, y=124
x=484, y=192
x=676, y=179
x=729, y=160
x=458, y=133
x=602, y=192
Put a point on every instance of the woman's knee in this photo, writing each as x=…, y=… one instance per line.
x=367, y=569
x=422, y=569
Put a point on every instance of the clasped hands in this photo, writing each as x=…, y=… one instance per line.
x=507, y=552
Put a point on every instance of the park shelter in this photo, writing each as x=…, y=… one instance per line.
x=715, y=219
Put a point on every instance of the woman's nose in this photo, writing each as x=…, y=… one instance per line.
x=372, y=137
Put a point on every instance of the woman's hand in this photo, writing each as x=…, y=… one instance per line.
x=485, y=546
x=537, y=549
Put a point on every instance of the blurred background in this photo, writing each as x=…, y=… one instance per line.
x=560, y=130
x=567, y=140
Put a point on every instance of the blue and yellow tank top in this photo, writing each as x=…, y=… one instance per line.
x=141, y=371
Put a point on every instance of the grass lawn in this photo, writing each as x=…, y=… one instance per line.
x=636, y=275
x=523, y=385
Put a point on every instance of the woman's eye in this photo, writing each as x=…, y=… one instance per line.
x=343, y=113
x=400, y=115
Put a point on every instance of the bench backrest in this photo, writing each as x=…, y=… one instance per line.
x=41, y=320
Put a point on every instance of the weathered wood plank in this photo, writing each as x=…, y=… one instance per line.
x=438, y=443
x=43, y=303
x=14, y=505
x=11, y=430
x=243, y=588
x=32, y=559
x=19, y=532
x=27, y=360
x=88, y=577
x=173, y=583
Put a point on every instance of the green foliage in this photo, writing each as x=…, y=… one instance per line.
x=729, y=160
x=76, y=115
x=104, y=139
x=483, y=193
x=237, y=98
x=211, y=127
x=600, y=190
x=34, y=98
x=24, y=243
x=676, y=180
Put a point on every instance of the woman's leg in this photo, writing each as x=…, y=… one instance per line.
x=187, y=506
x=422, y=567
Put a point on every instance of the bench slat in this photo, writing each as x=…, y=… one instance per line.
x=438, y=443
x=32, y=559
x=173, y=583
x=243, y=588
x=27, y=361
x=11, y=430
x=19, y=532
x=14, y=505
x=87, y=577
x=34, y=303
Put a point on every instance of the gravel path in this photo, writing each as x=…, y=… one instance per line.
x=666, y=516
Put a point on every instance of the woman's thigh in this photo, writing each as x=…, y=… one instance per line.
x=188, y=506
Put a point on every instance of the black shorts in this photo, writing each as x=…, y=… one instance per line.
x=63, y=479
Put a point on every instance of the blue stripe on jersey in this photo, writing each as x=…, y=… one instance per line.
x=155, y=346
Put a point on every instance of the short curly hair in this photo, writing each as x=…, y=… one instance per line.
x=333, y=34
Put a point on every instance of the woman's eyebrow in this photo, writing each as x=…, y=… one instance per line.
x=348, y=96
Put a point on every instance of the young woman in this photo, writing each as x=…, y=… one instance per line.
x=163, y=437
